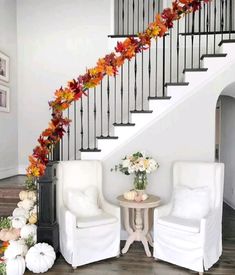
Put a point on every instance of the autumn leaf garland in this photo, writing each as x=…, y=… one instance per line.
x=107, y=65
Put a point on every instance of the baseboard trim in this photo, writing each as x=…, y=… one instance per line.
x=22, y=169
x=229, y=204
x=8, y=172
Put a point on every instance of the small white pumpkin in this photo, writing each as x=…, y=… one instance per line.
x=26, y=204
x=130, y=195
x=15, y=266
x=28, y=230
x=20, y=212
x=15, y=248
x=23, y=195
x=18, y=222
x=144, y=197
x=40, y=258
x=32, y=196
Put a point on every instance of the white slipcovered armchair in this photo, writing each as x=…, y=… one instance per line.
x=188, y=230
x=85, y=238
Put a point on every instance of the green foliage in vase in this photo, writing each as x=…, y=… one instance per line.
x=5, y=223
x=3, y=269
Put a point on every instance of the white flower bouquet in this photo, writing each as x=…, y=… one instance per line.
x=140, y=165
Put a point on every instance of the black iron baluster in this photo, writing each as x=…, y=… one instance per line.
x=121, y=90
x=88, y=120
x=68, y=131
x=226, y=15
x=185, y=42
x=215, y=23
x=207, y=29
x=158, y=6
x=101, y=108
x=138, y=16
x=118, y=15
x=178, y=53
x=143, y=15
x=142, y=79
x=199, y=38
x=128, y=91
x=82, y=130
x=95, y=117
x=149, y=71
x=156, y=68
x=222, y=18
x=163, y=65
x=170, y=55
x=115, y=99
x=128, y=15
x=192, y=40
x=108, y=109
x=204, y=17
x=75, y=129
x=230, y=18
x=154, y=7
x=135, y=86
x=133, y=19
x=123, y=17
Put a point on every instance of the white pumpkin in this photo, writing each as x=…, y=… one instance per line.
x=15, y=248
x=18, y=222
x=40, y=258
x=28, y=230
x=15, y=266
x=20, y=212
x=23, y=195
x=34, y=210
x=26, y=204
x=130, y=195
x=144, y=197
x=32, y=196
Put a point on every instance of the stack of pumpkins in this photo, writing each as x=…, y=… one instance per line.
x=134, y=195
x=21, y=235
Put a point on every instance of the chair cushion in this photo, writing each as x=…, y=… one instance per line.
x=83, y=203
x=189, y=225
x=190, y=203
x=101, y=219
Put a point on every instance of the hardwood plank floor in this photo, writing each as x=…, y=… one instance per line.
x=137, y=263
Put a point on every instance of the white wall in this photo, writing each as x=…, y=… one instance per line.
x=57, y=40
x=227, y=147
x=186, y=133
x=8, y=121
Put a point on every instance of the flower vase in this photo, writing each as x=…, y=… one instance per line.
x=140, y=183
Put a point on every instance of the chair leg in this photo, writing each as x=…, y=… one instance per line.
x=74, y=267
x=200, y=273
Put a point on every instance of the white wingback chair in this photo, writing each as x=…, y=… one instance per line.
x=191, y=242
x=85, y=239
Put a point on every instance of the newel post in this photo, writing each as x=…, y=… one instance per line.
x=48, y=229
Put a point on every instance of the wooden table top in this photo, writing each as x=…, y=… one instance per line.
x=151, y=202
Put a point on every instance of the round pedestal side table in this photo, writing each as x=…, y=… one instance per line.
x=138, y=228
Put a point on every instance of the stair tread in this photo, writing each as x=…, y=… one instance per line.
x=159, y=97
x=123, y=124
x=177, y=84
x=107, y=137
x=195, y=70
x=89, y=150
x=141, y=111
x=213, y=55
x=226, y=41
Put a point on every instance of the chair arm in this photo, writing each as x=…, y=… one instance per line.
x=162, y=210
x=68, y=221
x=111, y=208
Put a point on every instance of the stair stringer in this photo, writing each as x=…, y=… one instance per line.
x=163, y=107
x=185, y=131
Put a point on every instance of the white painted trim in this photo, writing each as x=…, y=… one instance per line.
x=229, y=204
x=8, y=172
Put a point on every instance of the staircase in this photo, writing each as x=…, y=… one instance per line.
x=9, y=194
x=154, y=83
